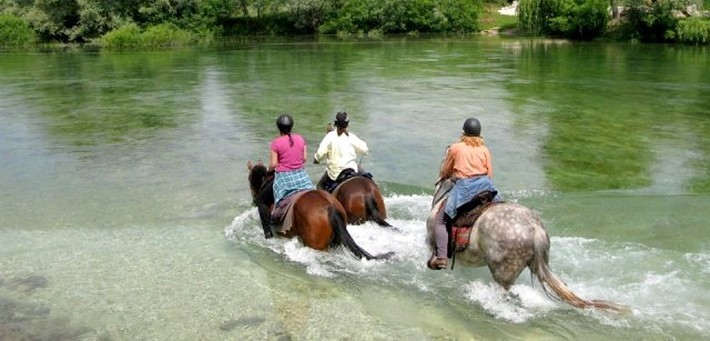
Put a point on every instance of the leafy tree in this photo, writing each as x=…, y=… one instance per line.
x=651, y=20
x=577, y=19
x=14, y=31
x=580, y=19
x=402, y=16
x=535, y=15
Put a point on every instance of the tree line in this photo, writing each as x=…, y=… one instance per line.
x=125, y=23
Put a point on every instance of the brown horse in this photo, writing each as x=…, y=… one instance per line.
x=362, y=200
x=509, y=237
x=319, y=220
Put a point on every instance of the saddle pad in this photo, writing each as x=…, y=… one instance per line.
x=287, y=221
x=461, y=236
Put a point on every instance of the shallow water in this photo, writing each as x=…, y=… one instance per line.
x=125, y=212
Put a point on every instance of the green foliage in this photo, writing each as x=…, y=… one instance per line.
x=576, y=19
x=652, y=21
x=403, y=16
x=693, y=30
x=162, y=35
x=128, y=36
x=167, y=22
x=580, y=19
x=535, y=16
x=308, y=15
x=53, y=20
x=15, y=32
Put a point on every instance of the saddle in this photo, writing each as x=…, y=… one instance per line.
x=344, y=176
x=460, y=228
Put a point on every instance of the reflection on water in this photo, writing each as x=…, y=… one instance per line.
x=120, y=171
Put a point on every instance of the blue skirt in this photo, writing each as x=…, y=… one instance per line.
x=465, y=190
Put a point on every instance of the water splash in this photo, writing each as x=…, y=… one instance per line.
x=656, y=283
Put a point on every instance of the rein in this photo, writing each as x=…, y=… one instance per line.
x=268, y=180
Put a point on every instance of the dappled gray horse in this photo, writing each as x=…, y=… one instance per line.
x=509, y=237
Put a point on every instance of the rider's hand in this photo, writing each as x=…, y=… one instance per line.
x=315, y=162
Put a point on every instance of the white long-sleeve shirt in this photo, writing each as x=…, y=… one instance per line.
x=340, y=151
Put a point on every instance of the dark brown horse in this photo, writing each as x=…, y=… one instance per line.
x=319, y=220
x=362, y=200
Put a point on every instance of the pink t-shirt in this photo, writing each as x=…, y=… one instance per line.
x=290, y=157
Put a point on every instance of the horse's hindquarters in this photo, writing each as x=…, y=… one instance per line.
x=311, y=220
x=362, y=201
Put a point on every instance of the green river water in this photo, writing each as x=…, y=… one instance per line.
x=125, y=212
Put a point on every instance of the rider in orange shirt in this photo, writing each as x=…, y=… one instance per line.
x=468, y=163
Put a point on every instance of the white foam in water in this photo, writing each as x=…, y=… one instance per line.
x=593, y=269
x=518, y=306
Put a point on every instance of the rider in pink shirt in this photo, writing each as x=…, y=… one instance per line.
x=287, y=159
x=289, y=151
x=288, y=155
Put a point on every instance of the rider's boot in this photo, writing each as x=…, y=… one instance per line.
x=435, y=263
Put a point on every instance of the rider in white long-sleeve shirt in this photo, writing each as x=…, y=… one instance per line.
x=340, y=148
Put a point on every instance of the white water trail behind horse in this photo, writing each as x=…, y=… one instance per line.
x=660, y=295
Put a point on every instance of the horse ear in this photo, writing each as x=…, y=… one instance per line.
x=249, y=165
x=259, y=163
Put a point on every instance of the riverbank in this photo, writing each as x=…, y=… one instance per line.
x=497, y=20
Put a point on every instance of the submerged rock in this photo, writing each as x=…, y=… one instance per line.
x=242, y=322
x=27, y=321
x=28, y=284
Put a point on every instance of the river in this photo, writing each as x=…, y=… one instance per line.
x=125, y=212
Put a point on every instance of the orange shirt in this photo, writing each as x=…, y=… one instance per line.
x=464, y=161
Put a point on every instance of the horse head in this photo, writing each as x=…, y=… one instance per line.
x=258, y=176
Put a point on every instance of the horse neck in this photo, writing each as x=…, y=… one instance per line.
x=260, y=183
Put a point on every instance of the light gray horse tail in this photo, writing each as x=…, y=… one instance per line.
x=550, y=282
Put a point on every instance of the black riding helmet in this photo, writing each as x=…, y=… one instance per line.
x=284, y=123
x=472, y=127
x=341, y=119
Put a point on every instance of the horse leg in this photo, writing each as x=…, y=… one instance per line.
x=265, y=217
x=506, y=271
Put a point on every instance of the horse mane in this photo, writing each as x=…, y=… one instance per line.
x=259, y=177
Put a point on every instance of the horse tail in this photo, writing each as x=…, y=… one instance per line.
x=550, y=282
x=342, y=236
x=373, y=212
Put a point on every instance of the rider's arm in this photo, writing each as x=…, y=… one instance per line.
x=447, y=167
x=273, y=160
x=322, y=151
x=359, y=145
x=489, y=163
